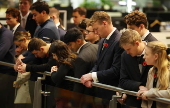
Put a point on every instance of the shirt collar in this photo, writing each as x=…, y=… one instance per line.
x=143, y=37
x=143, y=52
x=108, y=37
x=78, y=51
x=26, y=16
x=14, y=29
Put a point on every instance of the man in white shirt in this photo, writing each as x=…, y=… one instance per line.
x=107, y=67
x=27, y=22
x=13, y=21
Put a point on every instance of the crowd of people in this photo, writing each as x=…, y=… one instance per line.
x=93, y=51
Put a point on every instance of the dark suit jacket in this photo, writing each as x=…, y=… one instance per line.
x=30, y=24
x=150, y=38
x=47, y=31
x=19, y=28
x=7, y=49
x=61, y=33
x=130, y=77
x=108, y=64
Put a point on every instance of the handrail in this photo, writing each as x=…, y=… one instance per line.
x=113, y=88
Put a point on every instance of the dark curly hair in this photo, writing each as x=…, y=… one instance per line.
x=136, y=18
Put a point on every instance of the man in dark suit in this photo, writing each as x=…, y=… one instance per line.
x=137, y=20
x=134, y=70
x=87, y=55
x=107, y=66
x=13, y=19
x=27, y=22
x=47, y=31
x=54, y=14
x=7, y=49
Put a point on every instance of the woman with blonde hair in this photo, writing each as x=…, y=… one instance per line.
x=21, y=40
x=156, y=54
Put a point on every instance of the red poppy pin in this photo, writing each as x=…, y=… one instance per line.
x=47, y=55
x=105, y=44
x=155, y=75
x=144, y=63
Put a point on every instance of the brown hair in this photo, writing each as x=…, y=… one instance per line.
x=36, y=44
x=136, y=18
x=80, y=10
x=14, y=13
x=100, y=16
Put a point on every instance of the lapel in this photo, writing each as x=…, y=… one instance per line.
x=101, y=46
x=110, y=42
x=137, y=66
x=147, y=37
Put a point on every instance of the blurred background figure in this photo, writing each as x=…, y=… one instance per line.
x=54, y=14
x=78, y=15
x=13, y=19
x=82, y=25
x=27, y=22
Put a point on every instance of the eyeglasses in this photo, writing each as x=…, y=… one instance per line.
x=87, y=31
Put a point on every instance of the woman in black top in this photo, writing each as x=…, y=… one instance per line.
x=65, y=57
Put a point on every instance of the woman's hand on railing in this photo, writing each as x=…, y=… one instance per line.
x=122, y=99
x=54, y=68
x=19, y=61
x=142, y=94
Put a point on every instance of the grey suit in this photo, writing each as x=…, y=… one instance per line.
x=82, y=65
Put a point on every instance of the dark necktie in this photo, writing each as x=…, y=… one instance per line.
x=105, y=44
x=140, y=59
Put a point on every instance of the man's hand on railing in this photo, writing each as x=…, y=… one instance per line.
x=122, y=99
x=88, y=84
x=142, y=93
x=21, y=68
x=87, y=80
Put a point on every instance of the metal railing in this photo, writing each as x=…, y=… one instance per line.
x=162, y=100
